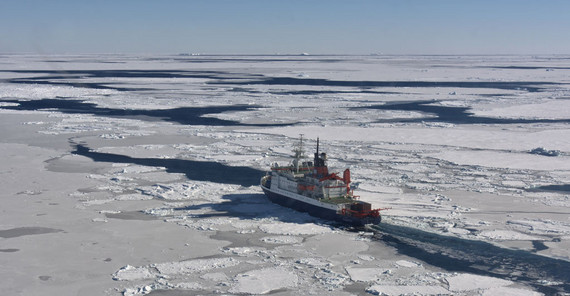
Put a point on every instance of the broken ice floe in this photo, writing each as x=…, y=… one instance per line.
x=186, y=191
x=313, y=262
x=263, y=281
x=156, y=270
x=195, y=265
x=469, y=282
x=131, y=273
x=7, y=104
x=282, y=239
x=295, y=229
x=541, y=227
x=544, y=152
x=506, y=235
x=507, y=291
x=330, y=279
x=406, y=290
x=245, y=251
x=405, y=263
x=365, y=274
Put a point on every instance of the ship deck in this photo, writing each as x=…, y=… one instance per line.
x=336, y=200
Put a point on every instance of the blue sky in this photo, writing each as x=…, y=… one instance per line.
x=286, y=26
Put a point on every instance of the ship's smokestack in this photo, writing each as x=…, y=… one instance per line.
x=320, y=159
x=321, y=169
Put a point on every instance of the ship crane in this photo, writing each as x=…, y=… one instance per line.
x=332, y=176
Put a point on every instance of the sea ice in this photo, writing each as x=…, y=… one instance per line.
x=263, y=281
x=506, y=291
x=405, y=263
x=195, y=265
x=364, y=274
x=506, y=235
x=282, y=239
x=407, y=290
x=131, y=273
x=468, y=282
x=295, y=229
x=313, y=262
x=459, y=179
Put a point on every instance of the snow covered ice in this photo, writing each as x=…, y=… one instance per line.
x=137, y=175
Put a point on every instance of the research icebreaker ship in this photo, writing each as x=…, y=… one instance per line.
x=309, y=187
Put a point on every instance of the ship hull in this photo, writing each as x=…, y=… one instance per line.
x=317, y=211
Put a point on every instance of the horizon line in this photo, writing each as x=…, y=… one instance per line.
x=303, y=54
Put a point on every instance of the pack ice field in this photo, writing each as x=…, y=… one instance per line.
x=140, y=175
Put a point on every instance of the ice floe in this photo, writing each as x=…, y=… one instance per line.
x=468, y=282
x=263, y=281
x=295, y=229
x=407, y=290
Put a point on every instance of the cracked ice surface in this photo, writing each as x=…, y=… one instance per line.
x=451, y=160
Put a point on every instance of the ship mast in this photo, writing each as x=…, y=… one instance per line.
x=299, y=154
x=316, y=160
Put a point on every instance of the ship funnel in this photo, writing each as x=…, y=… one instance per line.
x=320, y=163
x=346, y=176
x=346, y=179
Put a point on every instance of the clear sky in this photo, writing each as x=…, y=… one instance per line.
x=286, y=26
